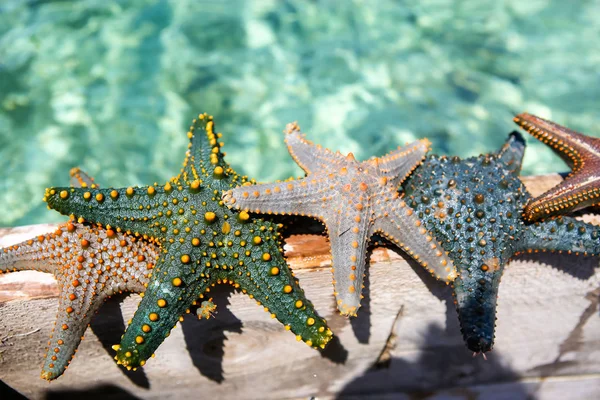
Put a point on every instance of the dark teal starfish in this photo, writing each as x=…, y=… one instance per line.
x=474, y=208
x=203, y=243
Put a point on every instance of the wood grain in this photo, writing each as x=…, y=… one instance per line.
x=405, y=343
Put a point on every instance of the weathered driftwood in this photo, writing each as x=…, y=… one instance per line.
x=406, y=340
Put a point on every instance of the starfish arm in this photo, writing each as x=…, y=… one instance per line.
x=171, y=291
x=128, y=209
x=204, y=161
x=348, y=236
x=512, y=152
x=582, y=187
x=476, y=293
x=398, y=164
x=76, y=307
x=310, y=196
x=310, y=157
x=72, y=320
x=561, y=234
x=271, y=283
x=581, y=191
x=80, y=179
x=32, y=254
x=571, y=146
x=401, y=226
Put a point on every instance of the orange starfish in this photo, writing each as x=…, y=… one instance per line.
x=90, y=264
x=581, y=188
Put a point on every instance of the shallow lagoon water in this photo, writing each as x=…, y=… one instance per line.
x=111, y=86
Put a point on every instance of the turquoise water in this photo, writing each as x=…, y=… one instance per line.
x=111, y=86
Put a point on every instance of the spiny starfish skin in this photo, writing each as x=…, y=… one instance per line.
x=474, y=206
x=355, y=200
x=90, y=264
x=581, y=188
x=203, y=243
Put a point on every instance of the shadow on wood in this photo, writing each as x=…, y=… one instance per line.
x=8, y=393
x=108, y=326
x=434, y=370
x=100, y=392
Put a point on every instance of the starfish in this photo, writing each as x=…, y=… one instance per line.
x=355, y=200
x=581, y=188
x=473, y=207
x=207, y=309
x=81, y=180
x=203, y=243
x=90, y=264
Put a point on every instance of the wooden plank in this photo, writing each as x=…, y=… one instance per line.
x=406, y=340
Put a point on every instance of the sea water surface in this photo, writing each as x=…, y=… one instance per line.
x=111, y=86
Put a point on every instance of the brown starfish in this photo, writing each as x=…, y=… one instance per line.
x=581, y=188
x=355, y=200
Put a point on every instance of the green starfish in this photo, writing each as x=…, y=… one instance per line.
x=203, y=243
